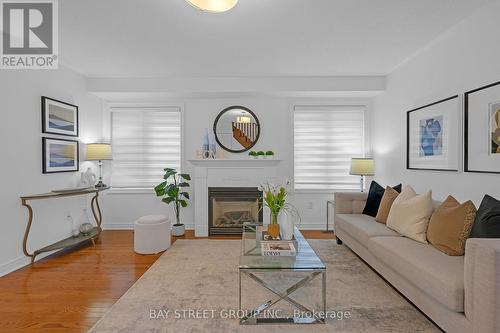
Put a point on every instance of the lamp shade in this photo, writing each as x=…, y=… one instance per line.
x=213, y=6
x=98, y=152
x=362, y=167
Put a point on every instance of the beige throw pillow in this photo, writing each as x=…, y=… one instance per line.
x=388, y=198
x=410, y=214
x=450, y=226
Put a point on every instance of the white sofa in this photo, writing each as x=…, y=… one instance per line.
x=460, y=294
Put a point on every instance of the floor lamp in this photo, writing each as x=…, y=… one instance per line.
x=362, y=167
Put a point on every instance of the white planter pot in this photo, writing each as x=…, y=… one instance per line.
x=269, y=157
x=286, y=226
x=178, y=230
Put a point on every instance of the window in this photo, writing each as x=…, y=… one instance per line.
x=325, y=140
x=145, y=141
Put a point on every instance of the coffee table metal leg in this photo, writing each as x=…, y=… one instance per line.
x=251, y=318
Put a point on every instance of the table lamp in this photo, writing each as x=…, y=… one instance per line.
x=98, y=152
x=362, y=167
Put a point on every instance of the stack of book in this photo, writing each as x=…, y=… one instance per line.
x=276, y=247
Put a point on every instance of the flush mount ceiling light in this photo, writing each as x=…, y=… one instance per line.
x=213, y=6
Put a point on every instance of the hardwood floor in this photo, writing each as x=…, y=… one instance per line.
x=70, y=291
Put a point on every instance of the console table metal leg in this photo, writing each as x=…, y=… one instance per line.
x=27, y=232
x=96, y=211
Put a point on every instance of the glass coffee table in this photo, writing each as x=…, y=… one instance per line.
x=260, y=268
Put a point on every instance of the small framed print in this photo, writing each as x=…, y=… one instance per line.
x=482, y=130
x=60, y=155
x=434, y=139
x=59, y=117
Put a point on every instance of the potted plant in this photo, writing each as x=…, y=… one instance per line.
x=261, y=154
x=269, y=154
x=275, y=200
x=253, y=154
x=171, y=189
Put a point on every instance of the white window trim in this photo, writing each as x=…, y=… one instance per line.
x=365, y=103
x=112, y=107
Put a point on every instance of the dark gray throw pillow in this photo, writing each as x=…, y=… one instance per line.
x=375, y=197
x=487, y=223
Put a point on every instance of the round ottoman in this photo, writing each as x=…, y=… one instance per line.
x=151, y=234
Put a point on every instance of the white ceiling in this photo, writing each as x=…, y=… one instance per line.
x=169, y=38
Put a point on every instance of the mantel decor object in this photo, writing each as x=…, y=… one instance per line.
x=236, y=129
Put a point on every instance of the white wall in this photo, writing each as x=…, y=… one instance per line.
x=21, y=158
x=121, y=209
x=466, y=57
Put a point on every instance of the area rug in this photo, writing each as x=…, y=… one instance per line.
x=193, y=287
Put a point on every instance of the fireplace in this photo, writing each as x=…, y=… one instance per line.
x=230, y=207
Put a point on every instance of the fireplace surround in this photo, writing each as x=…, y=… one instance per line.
x=230, y=207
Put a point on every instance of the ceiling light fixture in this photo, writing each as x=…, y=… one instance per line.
x=213, y=6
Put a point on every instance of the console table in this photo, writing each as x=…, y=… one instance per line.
x=70, y=241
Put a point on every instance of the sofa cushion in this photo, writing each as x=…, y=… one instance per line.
x=388, y=198
x=436, y=274
x=450, y=226
x=410, y=214
x=375, y=194
x=361, y=227
x=487, y=224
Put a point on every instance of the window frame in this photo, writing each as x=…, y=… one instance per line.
x=365, y=104
x=131, y=106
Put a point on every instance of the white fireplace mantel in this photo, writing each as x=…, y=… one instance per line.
x=227, y=173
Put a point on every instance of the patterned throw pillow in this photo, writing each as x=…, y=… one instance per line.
x=450, y=226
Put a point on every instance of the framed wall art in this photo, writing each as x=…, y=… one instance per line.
x=59, y=117
x=60, y=155
x=482, y=129
x=433, y=136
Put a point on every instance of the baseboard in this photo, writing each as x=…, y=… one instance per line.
x=130, y=226
x=21, y=262
x=190, y=226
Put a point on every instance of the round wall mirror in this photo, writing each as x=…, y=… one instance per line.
x=236, y=129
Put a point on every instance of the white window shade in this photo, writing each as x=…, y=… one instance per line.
x=325, y=140
x=145, y=141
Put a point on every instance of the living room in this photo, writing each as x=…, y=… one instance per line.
x=158, y=137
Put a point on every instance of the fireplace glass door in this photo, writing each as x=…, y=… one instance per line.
x=230, y=207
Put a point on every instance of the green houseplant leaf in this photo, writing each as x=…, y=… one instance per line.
x=170, y=190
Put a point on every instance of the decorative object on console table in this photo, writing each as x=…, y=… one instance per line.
x=170, y=189
x=59, y=117
x=433, y=136
x=99, y=152
x=261, y=155
x=482, y=130
x=59, y=155
x=362, y=167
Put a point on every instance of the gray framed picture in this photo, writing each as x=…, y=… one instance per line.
x=482, y=129
x=433, y=136
x=60, y=155
x=59, y=117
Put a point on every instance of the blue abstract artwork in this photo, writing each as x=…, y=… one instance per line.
x=431, y=136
